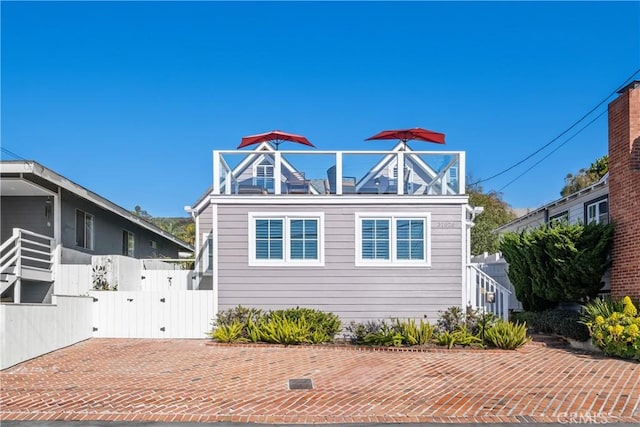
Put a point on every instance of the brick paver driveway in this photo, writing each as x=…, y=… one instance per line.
x=189, y=380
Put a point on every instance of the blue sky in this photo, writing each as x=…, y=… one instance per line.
x=130, y=98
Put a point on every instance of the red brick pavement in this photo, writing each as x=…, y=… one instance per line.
x=189, y=380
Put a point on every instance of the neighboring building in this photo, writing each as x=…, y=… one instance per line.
x=591, y=204
x=615, y=198
x=356, y=237
x=50, y=213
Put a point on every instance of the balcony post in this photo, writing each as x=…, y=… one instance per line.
x=400, y=177
x=277, y=173
x=462, y=172
x=338, y=172
x=216, y=173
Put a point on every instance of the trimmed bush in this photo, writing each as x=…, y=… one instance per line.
x=566, y=323
x=563, y=263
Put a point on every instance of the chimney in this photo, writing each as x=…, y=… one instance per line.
x=624, y=191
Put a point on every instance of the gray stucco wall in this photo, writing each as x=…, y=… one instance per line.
x=354, y=293
x=25, y=212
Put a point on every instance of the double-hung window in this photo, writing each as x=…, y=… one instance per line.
x=384, y=239
x=559, y=218
x=84, y=230
x=286, y=239
x=128, y=243
x=597, y=211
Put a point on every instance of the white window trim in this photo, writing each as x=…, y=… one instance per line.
x=393, y=261
x=207, y=258
x=286, y=217
x=131, y=235
x=597, y=204
x=84, y=231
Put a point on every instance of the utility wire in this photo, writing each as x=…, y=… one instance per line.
x=562, y=134
x=11, y=153
x=552, y=151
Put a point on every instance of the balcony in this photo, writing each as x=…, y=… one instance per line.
x=265, y=171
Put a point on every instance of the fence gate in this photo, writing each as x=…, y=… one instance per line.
x=138, y=314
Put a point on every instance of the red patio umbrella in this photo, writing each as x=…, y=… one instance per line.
x=277, y=137
x=405, y=135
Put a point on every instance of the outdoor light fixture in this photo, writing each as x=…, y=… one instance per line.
x=491, y=297
x=487, y=297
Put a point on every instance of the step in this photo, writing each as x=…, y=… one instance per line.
x=555, y=341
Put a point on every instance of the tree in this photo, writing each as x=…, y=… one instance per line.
x=183, y=227
x=141, y=213
x=586, y=176
x=559, y=263
x=496, y=213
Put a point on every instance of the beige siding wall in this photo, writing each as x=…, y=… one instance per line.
x=355, y=293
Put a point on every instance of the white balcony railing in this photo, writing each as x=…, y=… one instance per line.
x=269, y=172
x=485, y=294
x=25, y=255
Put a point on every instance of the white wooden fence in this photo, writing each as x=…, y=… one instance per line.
x=146, y=314
x=72, y=279
x=166, y=280
x=30, y=330
x=77, y=279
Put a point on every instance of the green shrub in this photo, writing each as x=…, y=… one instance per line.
x=357, y=331
x=604, y=307
x=563, y=263
x=617, y=334
x=280, y=329
x=523, y=317
x=386, y=336
x=289, y=326
x=445, y=338
x=456, y=318
x=323, y=326
x=395, y=332
x=253, y=330
x=414, y=333
x=238, y=314
x=228, y=333
x=507, y=335
x=459, y=337
x=560, y=322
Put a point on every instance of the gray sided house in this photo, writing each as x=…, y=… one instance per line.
x=591, y=204
x=354, y=237
x=41, y=210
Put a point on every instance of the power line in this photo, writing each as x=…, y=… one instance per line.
x=552, y=151
x=11, y=153
x=561, y=134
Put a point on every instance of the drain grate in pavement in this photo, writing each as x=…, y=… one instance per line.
x=300, y=384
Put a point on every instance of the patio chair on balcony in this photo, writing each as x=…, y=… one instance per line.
x=348, y=182
x=297, y=184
